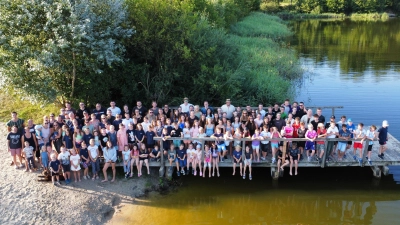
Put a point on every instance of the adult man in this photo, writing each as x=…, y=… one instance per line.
x=206, y=106
x=68, y=108
x=142, y=110
x=228, y=108
x=167, y=111
x=315, y=122
x=99, y=111
x=15, y=121
x=308, y=118
x=302, y=110
x=150, y=116
x=276, y=110
x=62, y=113
x=185, y=106
x=154, y=108
x=321, y=118
x=261, y=111
x=114, y=109
x=279, y=122
x=82, y=107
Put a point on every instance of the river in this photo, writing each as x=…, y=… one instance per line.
x=353, y=64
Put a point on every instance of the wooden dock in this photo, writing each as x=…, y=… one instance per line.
x=379, y=166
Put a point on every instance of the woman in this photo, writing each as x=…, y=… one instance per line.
x=110, y=157
x=175, y=116
x=251, y=125
x=209, y=114
x=77, y=139
x=216, y=118
x=29, y=137
x=220, y=126
x=143, y=157
x=56, y=137
x=243, y=117
x=94, y=122
x=181, y=121
x=138, y=117
x=125, y=110
x=236, y=123
x=209, y=127
x=202, y=121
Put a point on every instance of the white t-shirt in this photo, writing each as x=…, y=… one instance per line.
x=126, y=122
x=370, y=134
x=75, y=159
x=64, y=158
x=265, y=135
x=330, y=130
x=185, y=108
x=186, y=132
x=126, y=155
x=228, y=110
x=114, y=111
x=28, y=151
x=191, y=153
x=359, y=134
x=145, y=126
x=93, y=150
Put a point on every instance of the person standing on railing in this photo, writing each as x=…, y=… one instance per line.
x=383, y=138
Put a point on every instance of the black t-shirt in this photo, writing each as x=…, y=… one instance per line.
x=279, y=124
x=315, y=125
x=139, y=134
x=178, y=132
x=79, y=112
x=55, y=165
x=98, y=113
x=131, y=136
x=15, y=140
x=103, y=139
x=167, y=113
x=142, y=110
x=321, y=119
x=84, y=152
x=181, y=153
x=248, y=154
x=219, y=142
x=294, y=152
x=150, y=137
x=191, y=121
x=116, y=124
x=300, y=113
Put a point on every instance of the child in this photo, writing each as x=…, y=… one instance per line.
x=85, y=160
x=215, y=158
x=275, y=144
x=75, y=161
x=44, y=157
x=255, y=144
x=94, y=158
x=191, y=152
x=54, y=166
x=237, y=159
x=248, y=156
x=65, y=164
x=283, y=160
x=87, y=136
x=207, y=161
x=383, y=138
x=342, y=145
x=155, y=154
x=294, y=154
x=172, y=159
x=311, y=135
x=220, y=143
x=143, y=158
x=134, y=158
x=197, y=159
x=181, y=155
x=359, y=135
x=265, y=134
x=126, y=155
x=27, y=153
x=371, y=135
x=321, y=144
x=96, y=138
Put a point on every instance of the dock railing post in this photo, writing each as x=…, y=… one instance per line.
x=365, y=151
x=162, y=166
x=202, y=151
x=325, y=152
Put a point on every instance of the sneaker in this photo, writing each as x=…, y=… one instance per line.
x=201, y=174
x=158, y=160
x=360, y=162
x=309, y=158
x=177, y=173
x=244, y=177
x=222, y=160
x=273, y=160
x=16, y=167
x=58, y=183
x=262, y=158
x=250, y=177
x=194, y=174
x=183, y=172
x=54, y=183
x=84, y=177
x=317, y=159
x=355, y=158
x=344, y=156
x=369, y=162
x=380, y=156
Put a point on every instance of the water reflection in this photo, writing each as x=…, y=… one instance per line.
x=354, y=46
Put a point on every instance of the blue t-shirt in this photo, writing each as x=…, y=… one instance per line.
x=68, y=142
x=237, y=154
x=150, y=137
x=344, y=134
x=382, y=134
x=351, y=129
x=86, y=138
x=113, y=138
x=155, y=152
x=181, y=153
x=54, y=164
x=139, y=134
x=218, y=136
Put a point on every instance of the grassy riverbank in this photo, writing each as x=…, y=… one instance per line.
x=355, y=16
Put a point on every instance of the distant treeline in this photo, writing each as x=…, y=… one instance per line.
x=332, y=6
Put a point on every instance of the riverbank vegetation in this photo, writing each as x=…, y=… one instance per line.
x=95, y=51
x=331, y=8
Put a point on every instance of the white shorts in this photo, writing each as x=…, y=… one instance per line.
x=207, y=163
x=247, y=162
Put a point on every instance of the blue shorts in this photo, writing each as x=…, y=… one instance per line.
x=221, y=147
x=255, y=146
x=342, y=146
x=173, y=160
x=274, y=145
x=182, y=163
x=310, y=145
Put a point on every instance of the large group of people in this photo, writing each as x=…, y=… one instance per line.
x=76, y=140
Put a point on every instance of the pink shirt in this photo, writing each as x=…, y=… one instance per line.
x=122, y=139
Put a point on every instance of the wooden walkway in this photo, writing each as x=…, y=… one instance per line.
x=392, y=158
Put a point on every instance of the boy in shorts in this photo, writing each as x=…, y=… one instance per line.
x=342, y=145
x=65, y=164
x=383, y=138
x=359, y=135
x=54, y=167
x=237, y=159
x=294, y=154
x=371, y=136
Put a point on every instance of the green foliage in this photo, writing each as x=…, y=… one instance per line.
x=61, y=48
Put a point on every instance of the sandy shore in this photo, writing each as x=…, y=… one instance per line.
x=25, y=200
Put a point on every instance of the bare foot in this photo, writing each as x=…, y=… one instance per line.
x=112, y=180
x=290, y=173
x=233, y=174
x=104, y=180
x=295, y=173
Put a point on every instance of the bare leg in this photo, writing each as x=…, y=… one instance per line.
x=114, y=171
x=106, y=165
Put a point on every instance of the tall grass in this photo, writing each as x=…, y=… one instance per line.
x=26, y=110
x=370, y=16
x=270, y=65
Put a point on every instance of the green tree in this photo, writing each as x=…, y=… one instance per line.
x=62, y=48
